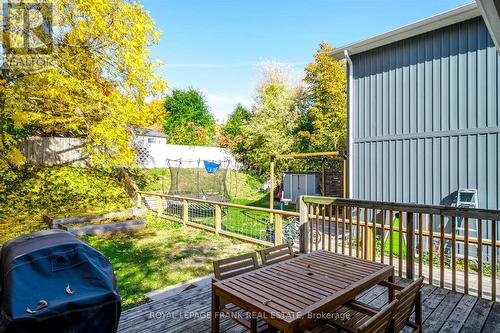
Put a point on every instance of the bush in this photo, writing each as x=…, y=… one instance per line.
x=33, y=191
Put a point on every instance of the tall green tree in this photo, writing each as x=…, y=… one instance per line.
x=188, y=120
x=270, y=130
x=232, y=130
x=323, y=122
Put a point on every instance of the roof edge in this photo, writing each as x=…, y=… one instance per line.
x=491, y=16
x=450, y=17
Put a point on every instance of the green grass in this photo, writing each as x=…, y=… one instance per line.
x=162, y=254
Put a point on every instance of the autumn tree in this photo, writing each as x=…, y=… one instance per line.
x=323, y=123
x=92, y=81
x=274, y=115
x=188, y=120
x=232, y=131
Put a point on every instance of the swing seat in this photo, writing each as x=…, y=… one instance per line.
x=211, y=167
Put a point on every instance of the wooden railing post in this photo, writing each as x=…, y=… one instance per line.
x=303, y=226
x=410, y=246
x=185, y=212
x=278, y=229
x=369, y=242
x=160, y=206
x=218, y=219
x=139, y=200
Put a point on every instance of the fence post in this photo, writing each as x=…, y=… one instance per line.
x=185, y=212
x=218, y=219
x=278, y=230
x=139, y=200
x=303, y=229
x=160, y=206
x=410, y=247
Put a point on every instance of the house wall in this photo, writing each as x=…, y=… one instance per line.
x=426, y=118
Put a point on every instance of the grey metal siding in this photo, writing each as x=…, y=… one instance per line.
x=426, y=118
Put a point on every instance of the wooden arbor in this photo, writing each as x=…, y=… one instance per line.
x=325, y=155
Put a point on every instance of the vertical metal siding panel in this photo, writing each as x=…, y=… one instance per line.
x=462, y=164
x=361, y=171
x=420, y=114
x=482, y=77
x=453, y=92
x=471, y=158
x=445, y=167
x=405, y=159
x=357, y=177
x=492, y=167
x=453, y=186
x=385, y=167
x=378, y=162
x=412, y=165
x=445, y=78
x=413, y=87
x=482, y=171
x=398, y=160
x=493, y=74
x=392, y=92
x=373, y=95
x=462, y=76
x=392, y=171
x=379, y=97
x=428, y=86
x=373, y=170
x=366, y=169
x=385, y=92
x=399, y=92
x=440, y=79
x=406, y=88
x=429, y=174
x=472, y=75
x=421, y=180
x=436, y=170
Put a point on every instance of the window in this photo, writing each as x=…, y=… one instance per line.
x=151, y=140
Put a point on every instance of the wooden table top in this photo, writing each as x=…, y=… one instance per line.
x=286, y=292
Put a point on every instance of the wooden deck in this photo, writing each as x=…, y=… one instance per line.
x=443, y=311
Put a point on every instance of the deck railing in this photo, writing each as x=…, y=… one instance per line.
x=455, y=248
x=257, y=225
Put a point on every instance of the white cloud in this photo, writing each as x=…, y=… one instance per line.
x=223, y=105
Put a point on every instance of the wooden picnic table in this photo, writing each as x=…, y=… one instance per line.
x=291, y=294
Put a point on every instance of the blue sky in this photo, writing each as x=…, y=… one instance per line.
x=215, y=45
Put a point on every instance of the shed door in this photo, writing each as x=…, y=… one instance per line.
x=299, y=186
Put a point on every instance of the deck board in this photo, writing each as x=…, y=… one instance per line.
x=444, y=311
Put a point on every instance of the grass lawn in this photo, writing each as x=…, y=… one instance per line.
x=163, y=254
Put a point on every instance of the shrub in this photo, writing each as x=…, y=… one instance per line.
x=33, y=191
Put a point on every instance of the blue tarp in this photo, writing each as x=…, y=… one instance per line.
x=211, y=167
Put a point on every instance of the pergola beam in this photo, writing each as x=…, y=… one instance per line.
x=306, y=155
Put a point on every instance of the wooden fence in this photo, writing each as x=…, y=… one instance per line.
x=455, y=248
x=257, y=225
x=53, y=150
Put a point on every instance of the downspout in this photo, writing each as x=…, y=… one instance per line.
x=350, y=123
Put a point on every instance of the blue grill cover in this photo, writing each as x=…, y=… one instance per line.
x=75, y=280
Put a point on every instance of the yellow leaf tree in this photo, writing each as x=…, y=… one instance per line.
x=325, y=128
x=92, y=81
